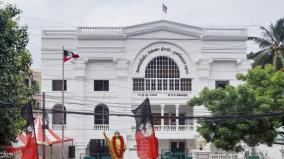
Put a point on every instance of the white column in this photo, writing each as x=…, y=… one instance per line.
x=162, y=115
x=177, y=115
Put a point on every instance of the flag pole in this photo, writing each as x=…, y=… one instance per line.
x=43, y=125
x=62, y=125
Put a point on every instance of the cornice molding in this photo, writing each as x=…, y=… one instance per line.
x=121, y=33
x=166, y=29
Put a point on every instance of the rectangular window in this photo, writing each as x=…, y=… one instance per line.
x=156, y=118
x=182, y=119
x=98, y=146
x=147, y=84
x=221, y=84
x=153, y=84
x=177, y=146
x=159, y=84
x=171, y=84
x=165, y=84
x=99, y=119
x=173, y=119
x=58, y=115
x=185, y=84
x=106, y=119
x=57, y=85
x=176, y=84
x=101, y=85
x=138, y=84
x=167, y=119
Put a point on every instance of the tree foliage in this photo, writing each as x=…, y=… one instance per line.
x=261, y=92
x=15, y=61
x=271, y=45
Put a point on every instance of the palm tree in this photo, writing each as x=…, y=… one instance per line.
x=272, y=46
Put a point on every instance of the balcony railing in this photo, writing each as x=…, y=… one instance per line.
x=99, y=30
x=225, y=32
x=59, y=32
x=101, y=127
x=57, y=127
x=223, y=156
x=173, y=128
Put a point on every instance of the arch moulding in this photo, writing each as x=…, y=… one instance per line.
x=173, y=51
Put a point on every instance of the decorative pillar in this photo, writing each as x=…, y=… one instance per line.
x=177, y=115
x=194, y=112
x=162, y=115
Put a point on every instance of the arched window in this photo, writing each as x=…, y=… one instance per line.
x=162, y=67
x=101, y=114
x=57, y=115
x=162, y=74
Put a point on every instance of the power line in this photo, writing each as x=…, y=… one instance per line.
x=233, y=116
x=199, y=111
x=207, y=117
x=126, y=107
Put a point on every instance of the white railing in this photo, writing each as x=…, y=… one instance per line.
x=59, y=32
x=58, y=127
x=223, y=156
x=101, y=127
x=185, y=128
x=225, y=32
x=95, y=30
x=173, y=128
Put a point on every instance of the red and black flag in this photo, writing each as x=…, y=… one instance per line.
x=147, y=143
x=30, y=151
x=69, y=55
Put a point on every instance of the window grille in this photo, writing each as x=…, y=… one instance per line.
x=101, y=114
x=57, y=114
x=162, y=74
x=57, y=85
x=101, y=85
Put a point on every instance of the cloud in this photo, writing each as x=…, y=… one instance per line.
x=38, y=14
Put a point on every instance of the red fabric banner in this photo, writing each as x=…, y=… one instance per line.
x=147, y=147
x=147, y=143
x=30, y=150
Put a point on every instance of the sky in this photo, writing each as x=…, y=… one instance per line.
x=64, y=14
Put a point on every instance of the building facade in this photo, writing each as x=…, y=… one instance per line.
x=34, y=82
x=119, y=67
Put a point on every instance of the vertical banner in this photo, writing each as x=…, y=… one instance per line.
x=30, y=151
x=147, y=143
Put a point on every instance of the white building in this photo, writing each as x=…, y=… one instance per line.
x=120, y=66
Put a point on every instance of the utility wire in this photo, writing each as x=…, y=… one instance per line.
x=210, y=117
x=234, y=116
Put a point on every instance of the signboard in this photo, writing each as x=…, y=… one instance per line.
x=163, y=94
x=154, y=50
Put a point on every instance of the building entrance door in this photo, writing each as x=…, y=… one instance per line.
x=177, y=146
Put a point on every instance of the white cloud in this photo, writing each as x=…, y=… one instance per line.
x=67, y=13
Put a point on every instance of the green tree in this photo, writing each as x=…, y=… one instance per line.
x=261, y=92
x=272, y=47
x=15, y=61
